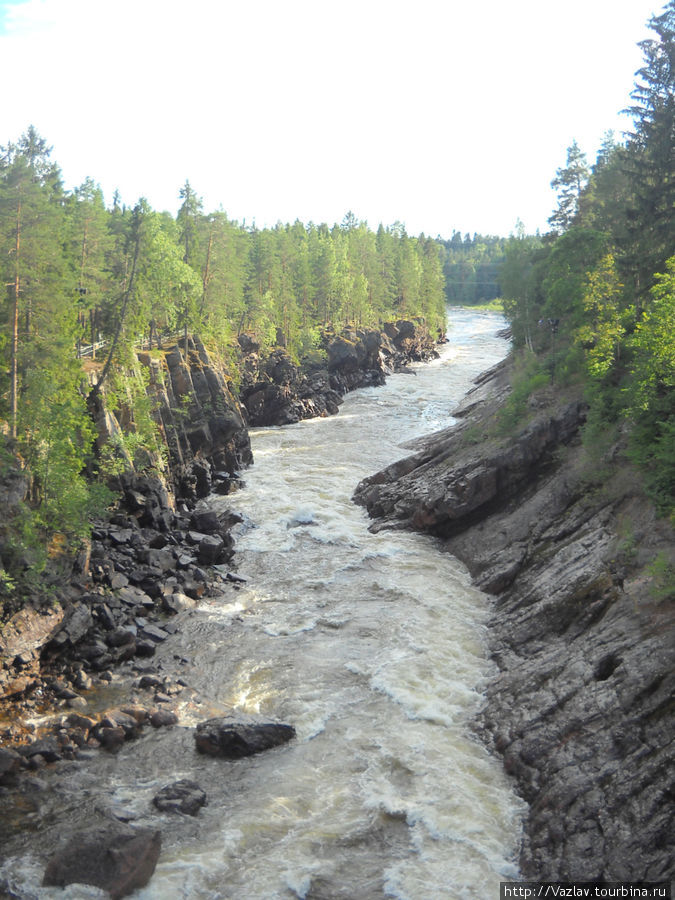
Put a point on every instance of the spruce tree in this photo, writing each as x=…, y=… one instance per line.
x=651, y=155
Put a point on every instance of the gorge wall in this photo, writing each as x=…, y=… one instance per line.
x=582, y=632
x=158, y=550
x=277, y=391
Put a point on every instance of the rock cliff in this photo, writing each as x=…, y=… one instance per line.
x=581, y=631
x=201, y=422
x=276, y=391
x=154, y=555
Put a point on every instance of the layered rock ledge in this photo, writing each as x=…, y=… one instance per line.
x=582, y=707
x=277, y=391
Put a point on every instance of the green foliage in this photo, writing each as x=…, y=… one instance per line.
x=519, y=278
x=139, y=444
x=662, y=573
x=652, y=447
x=569, y=182
x=573, y=256
x=650, y=391
x=601, y=290
x=653, y=344
x=649, y=157
x=78, y=274
x=496, y=305
x=603, y=323
x=529, y=376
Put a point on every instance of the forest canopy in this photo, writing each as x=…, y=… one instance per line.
x=83, y=278
x=593, y=301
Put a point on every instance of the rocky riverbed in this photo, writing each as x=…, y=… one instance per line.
x=77, y=670
x=582, y=632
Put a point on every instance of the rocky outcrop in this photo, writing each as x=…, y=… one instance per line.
x=237, y=735
x=276, y=391
x=146, y=563
x=582, y=707
x=22, y=638
x=451, y=481
x=200, y=420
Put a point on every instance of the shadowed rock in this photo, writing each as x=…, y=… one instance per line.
x=116, y=858
x=183, y=796
x=235, y=736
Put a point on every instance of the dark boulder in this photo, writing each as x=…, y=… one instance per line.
x=237, y=735
x=248, y=344
x=213, y=549
x=183, y=796
x=10, y=762
x=163, y=718
x=205, y=521
x=116, y=858
x=75, y=625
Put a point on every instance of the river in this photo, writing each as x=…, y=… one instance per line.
x=372, y=645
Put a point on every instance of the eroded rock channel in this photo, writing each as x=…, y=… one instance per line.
x=582, y=707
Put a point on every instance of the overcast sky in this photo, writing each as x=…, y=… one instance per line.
x=443, y=115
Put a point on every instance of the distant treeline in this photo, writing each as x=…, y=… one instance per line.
x=471, y=266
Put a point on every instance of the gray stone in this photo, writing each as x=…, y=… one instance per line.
x=182, y=796
x=162, y=718
x=116, y=858
x=237, y=735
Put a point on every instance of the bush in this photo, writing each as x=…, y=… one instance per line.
x=529, y=376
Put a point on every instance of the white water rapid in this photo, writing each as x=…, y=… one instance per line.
x=373, y=646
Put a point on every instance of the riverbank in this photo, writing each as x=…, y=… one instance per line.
x=156, y=554
x=86, y=674
x=337, y=632
x=582, y=628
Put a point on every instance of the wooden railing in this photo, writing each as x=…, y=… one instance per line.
x=143, y=343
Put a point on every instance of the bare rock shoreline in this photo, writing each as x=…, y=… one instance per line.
x=582, y=707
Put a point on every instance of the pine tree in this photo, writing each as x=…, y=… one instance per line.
x=569, y=182
x=650, y=160
x=31, y=221
x=90, y=244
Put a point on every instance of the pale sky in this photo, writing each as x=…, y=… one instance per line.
x=440, y=114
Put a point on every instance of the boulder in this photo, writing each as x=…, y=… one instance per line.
x=10, y=762
x=163, y=718
x=75, y=625
x=237, y=735
x=116, y=858
x=205, y=521
x=211, y=549
x=182, y=796
x=248, y=343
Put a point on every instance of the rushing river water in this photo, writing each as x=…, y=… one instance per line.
x=373, y=646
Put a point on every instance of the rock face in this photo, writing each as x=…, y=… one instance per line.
x=117, y=859
x=21, y=641
x=275, y=391
x=145, y=564
x=200, y=419
x=582, y=708
x=238, y=735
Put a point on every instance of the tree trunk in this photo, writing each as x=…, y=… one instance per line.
x=14, y=375
x=118, y=331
